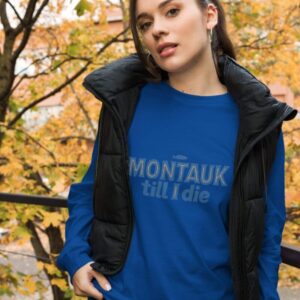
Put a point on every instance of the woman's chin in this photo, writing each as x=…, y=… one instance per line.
x=172, y=67
x=170, y=64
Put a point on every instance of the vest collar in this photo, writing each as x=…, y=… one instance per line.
x=258, y=108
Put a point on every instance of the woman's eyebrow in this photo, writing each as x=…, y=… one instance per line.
x=160, y=6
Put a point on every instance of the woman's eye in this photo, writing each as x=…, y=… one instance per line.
x=143, y=27
x=173, y=9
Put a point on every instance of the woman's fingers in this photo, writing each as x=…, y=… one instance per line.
x=102, y=280
x=86, y=288
x=82, y=282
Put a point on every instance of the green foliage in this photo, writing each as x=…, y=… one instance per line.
x=82, y=6
x=73, y=49
x=81, y=171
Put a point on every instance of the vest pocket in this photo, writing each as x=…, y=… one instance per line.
x=254, y=230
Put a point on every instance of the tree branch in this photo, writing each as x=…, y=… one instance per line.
x=43, y=5
x=27, y=17
x=3, y=16
x=85, y=113
x=66, y=138
x=36, y=175
x=15, y=11
x=51, y=154
x=71, y=79
x=113, y=40
x=27, y=24
x=56, y=90
x=44, y=73
x=64, y=165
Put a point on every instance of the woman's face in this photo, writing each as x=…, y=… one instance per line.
x=174, y=21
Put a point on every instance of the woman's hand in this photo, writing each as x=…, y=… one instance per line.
x=82, y=282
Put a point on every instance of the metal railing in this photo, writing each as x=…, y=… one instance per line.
x=290, y=254
x=33, y=199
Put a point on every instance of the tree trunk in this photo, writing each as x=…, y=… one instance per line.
x=56, y=245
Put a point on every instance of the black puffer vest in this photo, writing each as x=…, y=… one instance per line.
x=118, y=85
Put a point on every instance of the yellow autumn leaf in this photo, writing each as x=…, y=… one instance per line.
x=6, y=170
x=40, y=265
x=51, y=269
x=30, y=285
x=53, y=218
x=61, y=283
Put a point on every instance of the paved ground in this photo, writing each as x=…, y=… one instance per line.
x=23, y=264
x=289, y=294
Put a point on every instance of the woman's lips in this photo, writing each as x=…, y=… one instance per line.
x=168, y=51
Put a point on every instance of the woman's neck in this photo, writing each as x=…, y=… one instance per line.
x=198, y=79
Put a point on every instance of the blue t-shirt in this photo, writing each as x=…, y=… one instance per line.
x=181, y=155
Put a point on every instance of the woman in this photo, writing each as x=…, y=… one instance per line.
x=198, y=139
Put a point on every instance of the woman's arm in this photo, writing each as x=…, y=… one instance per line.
x=270, y=255
x=76, y=251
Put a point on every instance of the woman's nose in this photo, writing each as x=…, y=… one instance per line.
x=159, y=28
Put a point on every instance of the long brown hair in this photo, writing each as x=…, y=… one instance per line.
x=221, y=43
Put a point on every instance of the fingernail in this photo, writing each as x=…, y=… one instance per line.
x=107, y=287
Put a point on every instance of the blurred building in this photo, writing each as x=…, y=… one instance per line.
x=283, y=93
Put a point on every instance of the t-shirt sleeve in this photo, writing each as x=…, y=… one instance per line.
x=270, y=255
x=76, y=251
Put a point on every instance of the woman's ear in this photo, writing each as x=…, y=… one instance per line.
x=212, y=16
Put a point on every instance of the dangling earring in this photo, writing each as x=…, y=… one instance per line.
x=150, y=58
x=210, y=35
x=148, y=53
